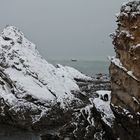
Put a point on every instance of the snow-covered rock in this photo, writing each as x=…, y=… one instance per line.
x=102, y=104
x=29, y=85
x=37, y=95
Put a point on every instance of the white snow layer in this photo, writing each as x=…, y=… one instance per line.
x=32, y=74
x=104, y=106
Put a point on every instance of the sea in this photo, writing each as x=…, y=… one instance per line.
x=88, y=67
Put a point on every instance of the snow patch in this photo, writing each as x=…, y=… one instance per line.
x=104, y=107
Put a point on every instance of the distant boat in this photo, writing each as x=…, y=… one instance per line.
x=73, y=60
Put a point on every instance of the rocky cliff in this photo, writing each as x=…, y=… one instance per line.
x=57, y=102
x=29, y=86
x=125, y=70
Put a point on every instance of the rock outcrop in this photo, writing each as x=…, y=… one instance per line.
x=31, y=89
x=58, y=102
x=125, y=72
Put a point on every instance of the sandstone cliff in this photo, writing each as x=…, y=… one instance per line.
x=125, y=69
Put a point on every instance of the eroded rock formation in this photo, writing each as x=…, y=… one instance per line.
x=125, y=71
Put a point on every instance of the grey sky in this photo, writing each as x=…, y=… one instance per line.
x=64, y=29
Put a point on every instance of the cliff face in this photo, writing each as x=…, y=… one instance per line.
x=125, y=67
x=125, y=70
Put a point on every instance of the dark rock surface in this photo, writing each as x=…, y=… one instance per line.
x=79, y=126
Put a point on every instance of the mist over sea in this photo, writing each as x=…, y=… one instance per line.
x=88, y=67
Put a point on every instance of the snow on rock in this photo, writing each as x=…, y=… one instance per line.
x=135, y=46
x=117, y=62
x=131, y=7
x=72, y=73
x=126, y=33
x=103, y=106
x=123, y=111
x=88, y=112
x=32, y=75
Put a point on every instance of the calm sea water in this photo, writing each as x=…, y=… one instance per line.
x=87, y=67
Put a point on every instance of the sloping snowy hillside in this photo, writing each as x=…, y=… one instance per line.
x=28, y=79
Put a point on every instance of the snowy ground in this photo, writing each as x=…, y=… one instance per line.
x=104, y=106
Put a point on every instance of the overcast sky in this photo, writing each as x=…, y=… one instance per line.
x=64, y=29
